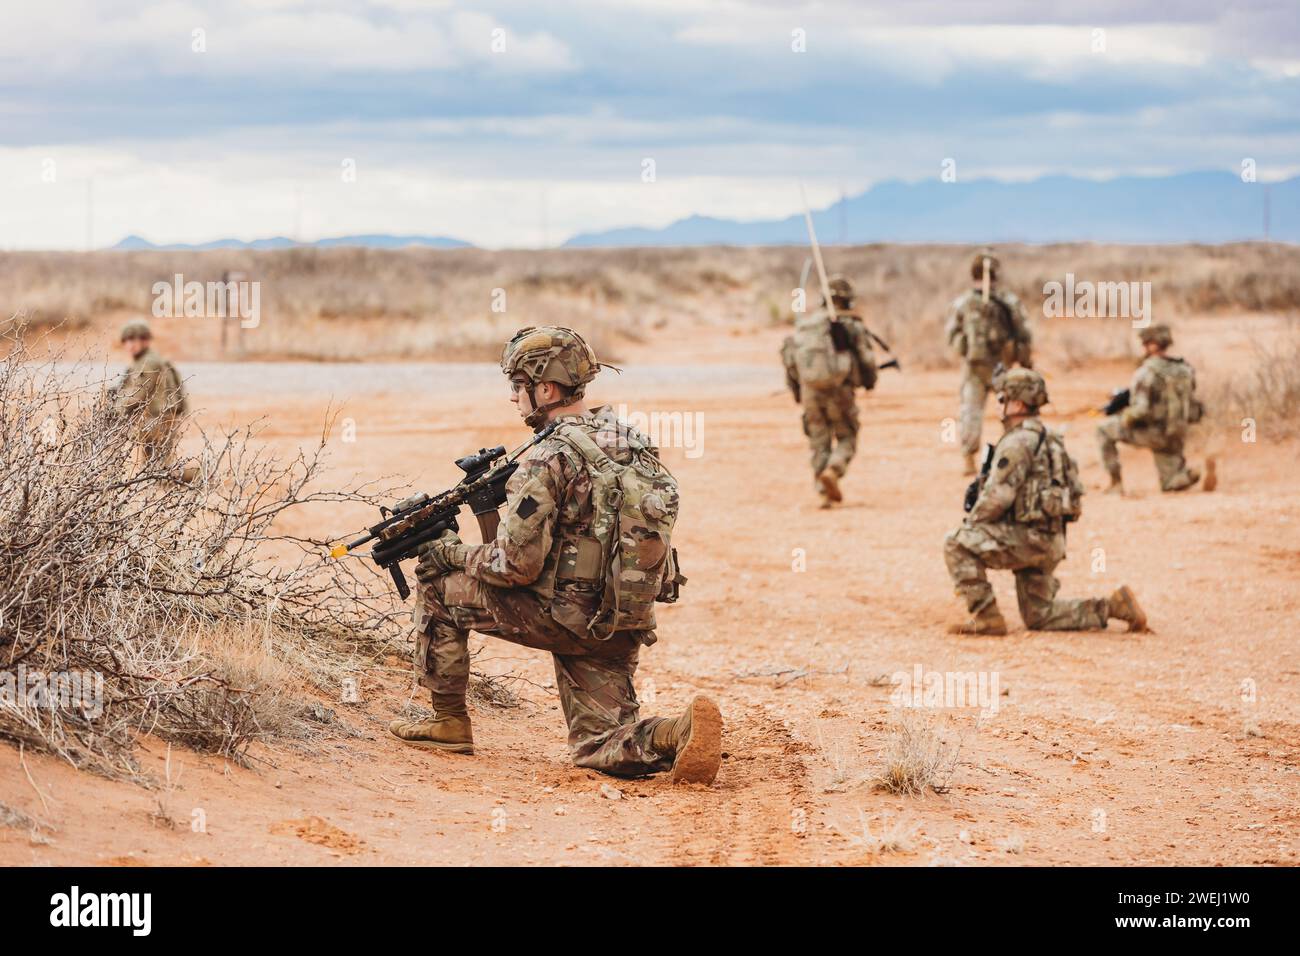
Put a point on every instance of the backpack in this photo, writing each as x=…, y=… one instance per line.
x=635, y=507
x=1177, y=406
x=818, y=360
x=175, y=401
x=1053, y=488
x=986, y=328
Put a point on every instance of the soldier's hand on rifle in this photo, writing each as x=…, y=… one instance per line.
x=440, y=557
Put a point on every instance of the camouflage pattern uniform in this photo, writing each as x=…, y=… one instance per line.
x=152, y=388
x=830, y=415
x=991, y=537
x=522, y=585
x=985, y=335
x=1146, y=422
x=547, y=579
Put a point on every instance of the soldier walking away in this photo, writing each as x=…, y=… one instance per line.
x=1162, y=405
x=579, y=559
x=825, y=361
x=987, y=326
x=151, y=388
x=1029, y=494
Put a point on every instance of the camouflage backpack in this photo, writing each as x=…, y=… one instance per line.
x=820, y=363
x=175, y=401
x=1052, y=488
x=1177, y=405
x=635, y=507
x=986, y=328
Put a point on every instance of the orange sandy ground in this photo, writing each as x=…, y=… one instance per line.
x=1105, y=748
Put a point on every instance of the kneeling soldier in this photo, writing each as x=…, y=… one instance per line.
x=1029, y=494
x=1162, y=405
x=581, y=554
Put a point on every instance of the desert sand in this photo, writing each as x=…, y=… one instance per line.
x=1177, y=746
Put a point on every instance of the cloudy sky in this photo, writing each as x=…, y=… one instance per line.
x=510, y=125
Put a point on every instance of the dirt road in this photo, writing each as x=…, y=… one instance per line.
x=1179, y=746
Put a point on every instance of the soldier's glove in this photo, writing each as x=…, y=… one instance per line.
x=440, y=557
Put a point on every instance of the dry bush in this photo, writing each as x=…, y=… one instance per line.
x=349, y=303
x=918, y=758
x=178, y=596
x=1267, y=391
x=1074, y=343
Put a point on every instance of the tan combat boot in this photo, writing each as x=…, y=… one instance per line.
x=968, y=466
x=988, y=621
x=1211, y=476
x=694, y=739
x=1116, y=486
x=1123, y=606
x=830, y=484
x=448, y=733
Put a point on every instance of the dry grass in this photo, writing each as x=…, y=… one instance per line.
x=1266, y=393
x=896, y=837
x=918, y=757
x=438, y=304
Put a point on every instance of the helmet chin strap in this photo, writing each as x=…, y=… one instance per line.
x=536, y=419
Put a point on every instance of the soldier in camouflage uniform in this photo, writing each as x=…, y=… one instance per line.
x=152, y=389
x=830, y=413
x=985, y=331
x=1018, y=524
x=1162, y=404
x=539, y=583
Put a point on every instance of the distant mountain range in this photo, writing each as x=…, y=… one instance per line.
x=378, y=241
x=1207, y=207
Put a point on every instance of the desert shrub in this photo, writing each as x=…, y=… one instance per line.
x=918, y=757
x=180, y=600
x=355, y=303
x=1265, y=391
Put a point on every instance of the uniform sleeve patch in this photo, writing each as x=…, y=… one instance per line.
x=527, y=508
x=1002, y=462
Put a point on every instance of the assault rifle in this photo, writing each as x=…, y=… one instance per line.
x=973, y=489
x=1119, y=400
x=423, y=518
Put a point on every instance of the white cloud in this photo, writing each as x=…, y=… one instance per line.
x=245, y=38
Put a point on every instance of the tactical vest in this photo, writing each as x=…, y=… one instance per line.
x=174, y=400
x=1052, y=493
x=626, y=555
x=818, y=360
x=1174, y=406
x=986, y=328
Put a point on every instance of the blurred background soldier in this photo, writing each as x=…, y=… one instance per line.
x=151, y=389
x=825, y=361
x=1161, y=406
x=987, y=326
x=544, y=580
x=1029, y=494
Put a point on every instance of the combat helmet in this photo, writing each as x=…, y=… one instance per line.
x=1159, y=334
x=1024, y=384
x=136, y=329
x=977, y=265
x=549, y=354
x=841, y=289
